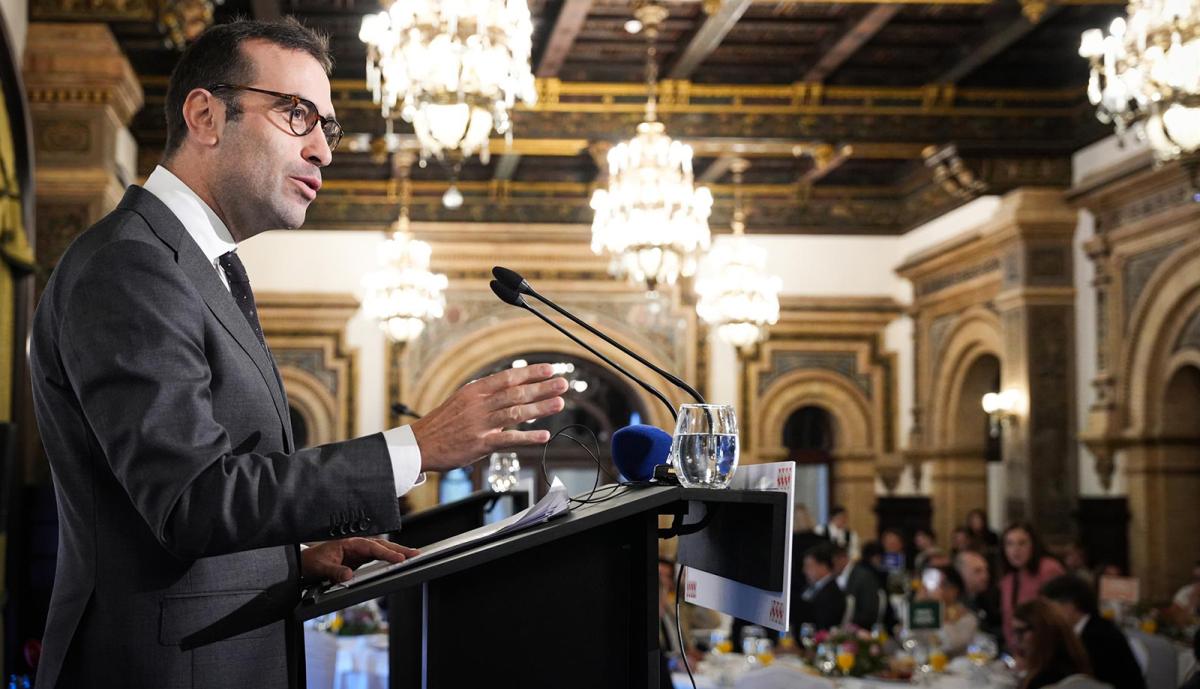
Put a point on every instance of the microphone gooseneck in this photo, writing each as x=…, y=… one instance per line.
x=514, y=298
x=513, y=282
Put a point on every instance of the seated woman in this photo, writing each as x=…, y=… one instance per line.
x=1048, y=647
x=959, y=624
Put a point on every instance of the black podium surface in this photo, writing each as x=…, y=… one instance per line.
x=572, y=602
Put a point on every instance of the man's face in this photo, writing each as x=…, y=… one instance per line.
x=814, y=570
x=974, y=571
x=840, y=520
x=266, y=176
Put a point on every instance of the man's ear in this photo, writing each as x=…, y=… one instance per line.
x=204, y=115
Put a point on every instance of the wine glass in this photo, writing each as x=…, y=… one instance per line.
x=845, y=659
x=704, y=450
x=503, y=471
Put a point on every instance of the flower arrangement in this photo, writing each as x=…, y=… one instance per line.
x=846, y=651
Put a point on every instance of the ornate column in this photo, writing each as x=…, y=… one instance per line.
x=1036, y=306
x=82, y=93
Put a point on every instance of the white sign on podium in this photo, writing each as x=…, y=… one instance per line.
x=767, y=608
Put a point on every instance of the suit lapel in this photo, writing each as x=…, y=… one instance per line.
x=202, y=274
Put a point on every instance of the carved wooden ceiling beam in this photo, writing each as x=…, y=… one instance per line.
x=708, y=37
x=568, y=23
x=845, y=47
x=999, y=39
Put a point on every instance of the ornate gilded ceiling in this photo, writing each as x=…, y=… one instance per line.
x=857, y=117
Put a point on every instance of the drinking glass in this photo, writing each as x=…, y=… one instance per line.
x=503, y=470
x=704, y=449
x=845, y=659
x=938, y=659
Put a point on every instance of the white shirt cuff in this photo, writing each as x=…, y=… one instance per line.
x=406, y=458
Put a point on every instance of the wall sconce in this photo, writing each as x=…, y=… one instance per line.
x=1001, y=408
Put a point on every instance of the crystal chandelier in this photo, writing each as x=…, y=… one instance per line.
x=453, y=68
x=736, y=294
x=1147, y=70
x=402, y=294
x=651, y=219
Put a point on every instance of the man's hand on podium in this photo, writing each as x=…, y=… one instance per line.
x=336, y=561
x=471, y=423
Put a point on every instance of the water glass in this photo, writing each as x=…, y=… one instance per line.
x=503, y=470
x=704, y=450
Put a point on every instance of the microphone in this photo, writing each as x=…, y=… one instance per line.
x=402, y=409
x=512, y=280
x=514, y=298
x=636, y=450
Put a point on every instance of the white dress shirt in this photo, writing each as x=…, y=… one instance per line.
x=214, y=239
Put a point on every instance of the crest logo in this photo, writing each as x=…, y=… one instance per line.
x=776, y=613
x=783, y=477
x=691, y=589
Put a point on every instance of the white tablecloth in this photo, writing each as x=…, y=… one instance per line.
x=787, y=673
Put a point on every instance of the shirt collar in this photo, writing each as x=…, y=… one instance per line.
x=205, y=228
x=1081, y=624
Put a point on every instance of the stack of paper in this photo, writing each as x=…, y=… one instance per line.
x=552, y=505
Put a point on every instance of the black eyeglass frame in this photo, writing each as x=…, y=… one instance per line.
x=333, y=138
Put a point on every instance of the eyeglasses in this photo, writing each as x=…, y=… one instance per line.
x=303, y=115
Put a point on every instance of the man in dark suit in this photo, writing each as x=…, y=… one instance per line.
x=1107, y=648
x=182, y=498
x=861, y=587
x=822, y=604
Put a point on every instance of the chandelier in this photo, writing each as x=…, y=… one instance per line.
x=453, y=68
x=402, y=294
x=1147, y=70
x=651, y=220
x=736, y=294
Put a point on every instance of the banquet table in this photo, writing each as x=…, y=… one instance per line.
x=789, y=673
x=345, y=662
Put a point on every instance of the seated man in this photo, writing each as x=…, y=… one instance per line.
x=822, y=604
x=1107, y=648
x=861, y=587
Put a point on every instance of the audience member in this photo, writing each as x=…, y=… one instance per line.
x=894, y=559
x=977, y=525
x=804, y=535
x=837, y=530
x=980, y=595
x=822, y=604
x=1026, y=568
x=1075, y=560
x=1193, y=682
x=934, y=557
x=1048, y=648
x=872, y=558
x=1107, y=648
x=1187, y=598
x=959, y=624
x=924, y=541
x=862, y=588
x=962, y=540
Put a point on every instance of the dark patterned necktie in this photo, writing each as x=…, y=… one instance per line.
x=239, y=287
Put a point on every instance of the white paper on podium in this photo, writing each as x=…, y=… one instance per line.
x=555, y=502
x=768, y=608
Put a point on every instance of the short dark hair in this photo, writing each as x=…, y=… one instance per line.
x=822, y=553
x=216, y=57
x=1069, y=588
x=952, y=577
x=836, y=510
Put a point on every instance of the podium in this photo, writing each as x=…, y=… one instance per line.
x=572, y=602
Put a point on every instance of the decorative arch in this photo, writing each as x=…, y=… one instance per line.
x=314, y=403
x=813, y=387
x=976, y=334
x=1167, y=306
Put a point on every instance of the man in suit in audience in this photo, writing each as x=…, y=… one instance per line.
x=1107, y=648
x=822, y=604
x=861, y=587
x=182, y=497
x=837, y=530
x=979, y=594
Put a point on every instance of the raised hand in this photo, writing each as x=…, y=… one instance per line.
x=471, y=423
